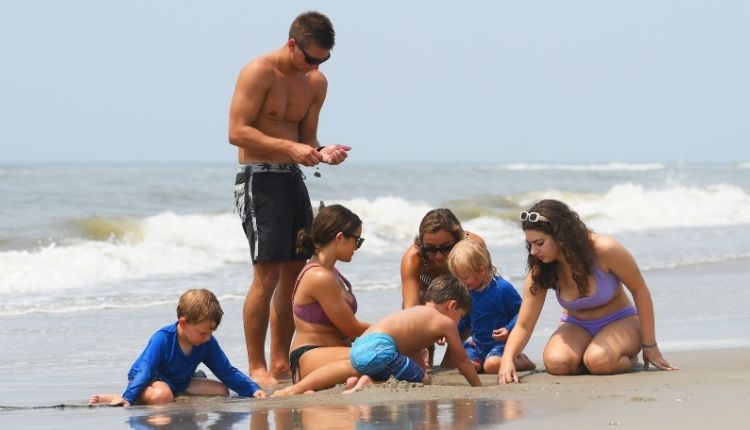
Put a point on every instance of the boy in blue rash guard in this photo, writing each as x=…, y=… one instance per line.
x=166, y=367
x=397, y=344
x=495, y=306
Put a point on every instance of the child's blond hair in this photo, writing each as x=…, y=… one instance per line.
x=471, y=256
x=198, y=305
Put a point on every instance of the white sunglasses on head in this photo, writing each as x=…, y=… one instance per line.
x=532, y=217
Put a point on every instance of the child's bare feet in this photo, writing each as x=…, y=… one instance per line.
x=354, y=386
x=106, y=399
x=351, y=382
x=427, y=379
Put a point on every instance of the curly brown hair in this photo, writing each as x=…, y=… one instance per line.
x=573, y=238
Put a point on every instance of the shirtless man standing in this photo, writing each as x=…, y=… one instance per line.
x=273, y=121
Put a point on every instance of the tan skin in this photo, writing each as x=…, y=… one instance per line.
x=273, y=117
x=412, y=267
x=571, y=349
x=158, y=392
x=418, y=327
x=322, y=285
x=437, y=264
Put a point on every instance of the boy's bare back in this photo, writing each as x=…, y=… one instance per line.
x=415, y=328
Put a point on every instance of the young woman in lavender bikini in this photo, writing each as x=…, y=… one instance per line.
x=600, y=330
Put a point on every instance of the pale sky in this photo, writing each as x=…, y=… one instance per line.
x=492, y=81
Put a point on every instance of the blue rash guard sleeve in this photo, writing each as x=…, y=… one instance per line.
x=229, y=375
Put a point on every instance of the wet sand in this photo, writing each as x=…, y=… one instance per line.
x=710, y=389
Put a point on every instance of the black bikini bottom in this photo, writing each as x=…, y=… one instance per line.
x=294, y=357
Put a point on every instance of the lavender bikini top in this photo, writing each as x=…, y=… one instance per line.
x=313, y=312
x=606, y=287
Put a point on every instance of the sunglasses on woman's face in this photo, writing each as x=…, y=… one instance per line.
x=532, y=217
x=309, y=59
x=359, y=240
x=432, y=250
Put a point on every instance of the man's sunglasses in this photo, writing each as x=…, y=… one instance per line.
x=309, y=59
x=432, y=250
x=532, y=217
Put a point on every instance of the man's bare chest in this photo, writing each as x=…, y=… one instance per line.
x=288, y=101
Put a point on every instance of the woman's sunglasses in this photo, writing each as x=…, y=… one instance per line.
x=432, y=250
x=532, y=217
x=359, y=240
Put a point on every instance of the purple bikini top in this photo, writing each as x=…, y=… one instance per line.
x=313, y=312
x=606, y=287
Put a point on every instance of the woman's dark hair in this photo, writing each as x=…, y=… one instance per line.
x=329, y=221
x=438, y=220
x=572, y=237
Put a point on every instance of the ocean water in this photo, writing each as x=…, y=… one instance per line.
x=94, y=257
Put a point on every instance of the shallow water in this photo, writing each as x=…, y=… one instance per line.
x=431, y=414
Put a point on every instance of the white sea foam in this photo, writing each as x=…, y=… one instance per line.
x=633, y=207
x=171, y=245
x=163, y=244
x=392, y=219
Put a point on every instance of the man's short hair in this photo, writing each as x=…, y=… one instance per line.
x=313, y=28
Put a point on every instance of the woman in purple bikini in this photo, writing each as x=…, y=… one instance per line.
x=600, y=330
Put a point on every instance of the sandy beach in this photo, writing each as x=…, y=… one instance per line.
x=76, y=309
x=709, y=390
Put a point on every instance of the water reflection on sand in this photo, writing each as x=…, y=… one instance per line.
x=425, y=415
